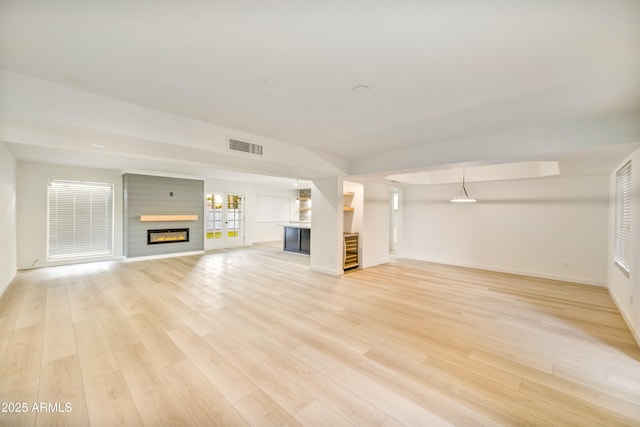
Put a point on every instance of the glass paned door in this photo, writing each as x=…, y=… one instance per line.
x=213, y=226
x=224, y=226
x=235, y=219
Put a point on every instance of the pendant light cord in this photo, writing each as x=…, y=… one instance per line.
x=463, y=187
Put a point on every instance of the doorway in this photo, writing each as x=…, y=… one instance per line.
x=395, y=203
x=224, y=224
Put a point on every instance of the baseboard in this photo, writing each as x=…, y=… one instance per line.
x=173, y=255
x=72, y=261
x=539, y=275
x=626, y=319
x=4, y=286
x=326, y=271
x=374, y=263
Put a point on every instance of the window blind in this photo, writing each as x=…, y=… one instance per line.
x=623, y=218
x=80, y=219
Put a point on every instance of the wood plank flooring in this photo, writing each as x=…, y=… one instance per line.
x=252, y=337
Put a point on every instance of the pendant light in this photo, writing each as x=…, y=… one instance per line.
x=463, y=196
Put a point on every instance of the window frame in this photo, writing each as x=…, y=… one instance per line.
x=622, y=243
x=108, y=223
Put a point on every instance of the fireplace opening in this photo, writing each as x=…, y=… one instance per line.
x=174, y=235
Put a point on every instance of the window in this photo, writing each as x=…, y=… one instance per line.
x=623, y=218
x=80, y=219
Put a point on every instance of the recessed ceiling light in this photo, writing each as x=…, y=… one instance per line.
x=360, y=88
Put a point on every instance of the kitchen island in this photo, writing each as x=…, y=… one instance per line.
x=297, y=238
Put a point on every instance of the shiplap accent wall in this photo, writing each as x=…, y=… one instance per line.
x=151, y=195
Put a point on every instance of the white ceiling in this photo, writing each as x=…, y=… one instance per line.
x=438, y=71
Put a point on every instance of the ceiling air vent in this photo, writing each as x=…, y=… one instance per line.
x=245, y=147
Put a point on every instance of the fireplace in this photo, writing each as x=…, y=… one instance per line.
x=173, y=235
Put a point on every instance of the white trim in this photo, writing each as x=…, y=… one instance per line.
x=626, y=319
x=5, y=286
x=622, y=223
x=63, y=229
x=171, y=255
x=71, y=261
x=327, y=271
x=379, y=261
x=570, y=279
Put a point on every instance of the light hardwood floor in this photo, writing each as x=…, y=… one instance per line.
x=252, y=337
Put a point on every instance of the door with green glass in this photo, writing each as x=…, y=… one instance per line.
x=224, y=224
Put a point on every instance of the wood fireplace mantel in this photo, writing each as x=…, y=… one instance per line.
x=156, y=218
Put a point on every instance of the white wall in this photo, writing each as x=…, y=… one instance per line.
x=326, y=225
x=32, y=179
x=547, y=227
x=622, y=288
x=375, y=225
x=8, y=245
x=262, y=231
